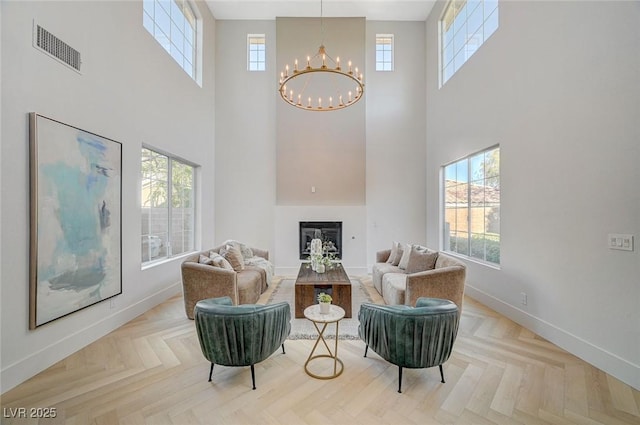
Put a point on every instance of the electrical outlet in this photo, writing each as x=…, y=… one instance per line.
x=523, y=298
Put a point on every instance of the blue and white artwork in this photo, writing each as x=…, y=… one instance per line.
x=76, y=228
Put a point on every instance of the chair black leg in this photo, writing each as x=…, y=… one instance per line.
x=253, y=377
x=441, y=373
x=400, y=379
x=210, y=372
x=365, y=350
x=283, y=348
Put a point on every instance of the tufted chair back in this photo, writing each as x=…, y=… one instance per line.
x=413, y=337
x=240, y=335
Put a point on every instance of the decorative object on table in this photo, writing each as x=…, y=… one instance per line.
x=413, y=337
x=316, y=253
x=324, y=300
x=305, y=87
x=264, y=327
x=76, y=210
x=321, y=256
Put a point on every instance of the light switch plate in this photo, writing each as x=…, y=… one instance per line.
x=620, y=241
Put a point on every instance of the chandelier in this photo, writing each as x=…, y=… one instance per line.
x=322, y=84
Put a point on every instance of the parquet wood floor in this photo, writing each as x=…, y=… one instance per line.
x=151, y=371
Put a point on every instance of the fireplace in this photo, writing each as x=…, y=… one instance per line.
x=327, y=231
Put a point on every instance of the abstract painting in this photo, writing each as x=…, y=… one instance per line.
x=75, y=242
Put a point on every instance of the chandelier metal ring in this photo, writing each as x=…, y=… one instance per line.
x=341, y=101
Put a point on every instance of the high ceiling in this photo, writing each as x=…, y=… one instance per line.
x=375, y=10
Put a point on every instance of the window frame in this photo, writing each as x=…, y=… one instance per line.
x=445, y=229
x=261, y=65
x=452, y=57
x=169, y=255
x=153, y=22
x=380, y=65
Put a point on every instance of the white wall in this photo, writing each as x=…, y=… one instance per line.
x=396, y=133
x=557, y=86
x=130, y=90
x=245, y=188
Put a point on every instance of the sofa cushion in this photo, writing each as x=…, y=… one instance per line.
x=398, y=256
x=394, y=252
x=245, y=250
x=421, y=259
x=379, y=269
x=249, y=287
x=233, y=255
x=404, y=260
x=203, y=259
x=219, y=261
x=394, y=287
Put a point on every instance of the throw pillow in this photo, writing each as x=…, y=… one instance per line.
x=244, y=249
x=205, y=260
x=394, y=252
x=398, y=256
x=220, y=261
x=233, y=255
x=404, y=260
x=421, y=259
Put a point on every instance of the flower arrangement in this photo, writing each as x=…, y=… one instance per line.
x=324, y=297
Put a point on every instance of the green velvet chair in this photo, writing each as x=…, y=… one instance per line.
x=240, y=335
x=412, y=337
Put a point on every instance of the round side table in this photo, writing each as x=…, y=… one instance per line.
x=335, y=314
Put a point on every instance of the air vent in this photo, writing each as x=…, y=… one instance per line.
x=56, y=48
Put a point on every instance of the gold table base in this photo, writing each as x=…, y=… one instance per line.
x=331, y=355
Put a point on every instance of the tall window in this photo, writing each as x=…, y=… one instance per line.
x=256, y=60
x=471, y=189
x=384, y=52
x=173, y=24
x=465, y=25
x=168, y=210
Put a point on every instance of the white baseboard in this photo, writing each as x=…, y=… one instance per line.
x=35, y=363
x=612, y=364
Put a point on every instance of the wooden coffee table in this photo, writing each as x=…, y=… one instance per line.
x=333, y=281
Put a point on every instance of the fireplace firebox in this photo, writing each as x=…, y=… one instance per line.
x=330, y=232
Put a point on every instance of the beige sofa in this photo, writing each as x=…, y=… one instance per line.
x=443, y=277
x=201, y=281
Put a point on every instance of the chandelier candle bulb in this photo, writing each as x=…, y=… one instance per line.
x=308, y=62
x=349, y=97
x=286, y=70
x=309, y=103
x=299, y=99
x=338, y=63
x=330, y=102
x=291, y=95
x=295, y=66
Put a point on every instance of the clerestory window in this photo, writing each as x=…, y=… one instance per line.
x=464, y=27
x=174, y=25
